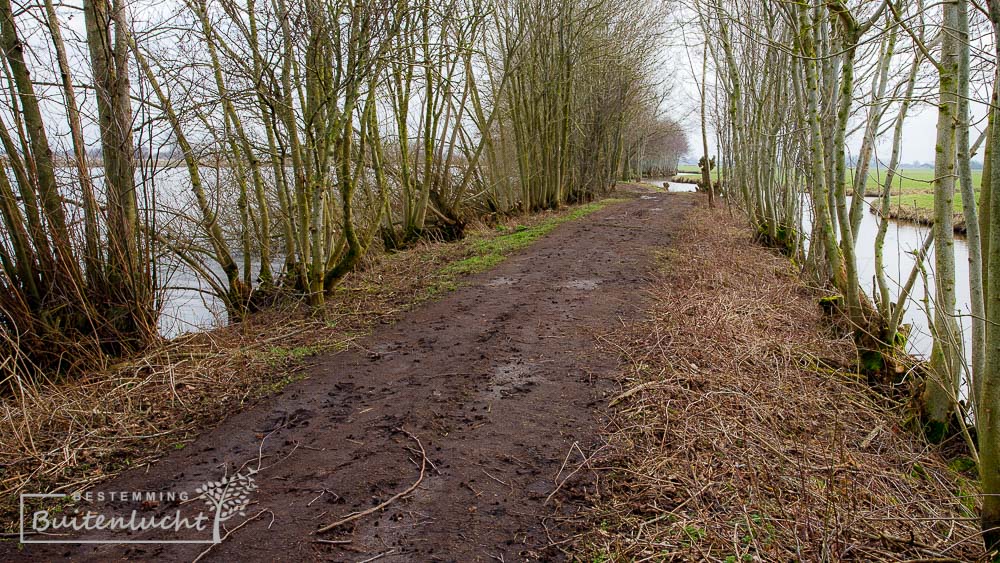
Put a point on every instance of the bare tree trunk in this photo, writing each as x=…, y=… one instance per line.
x=92, y=236
x=817, y=161
x=706, y=172
x=978, y=351
x=941, y=389
x=38, y=143
x=988, y=424
x=235, y=292
x=871, y=132
x=130, y=285
x=884, y=302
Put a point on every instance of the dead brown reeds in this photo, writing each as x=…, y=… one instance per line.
x=739, y=436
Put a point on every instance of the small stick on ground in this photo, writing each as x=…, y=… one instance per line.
x=231, y=532
x=354, y=516
x=379, y=556
x=584, y=463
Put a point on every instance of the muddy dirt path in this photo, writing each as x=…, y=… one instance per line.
x=497, y=380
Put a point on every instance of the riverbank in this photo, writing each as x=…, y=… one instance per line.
x=921, y=215
x=69, y=436
x=740, y=433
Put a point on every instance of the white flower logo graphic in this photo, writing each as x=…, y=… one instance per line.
x=227, y=497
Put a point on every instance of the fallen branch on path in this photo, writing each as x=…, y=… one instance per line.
x=355, y=515
x=379, y=556
x=230, y=532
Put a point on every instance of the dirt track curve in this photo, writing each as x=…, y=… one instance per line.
x=497, y=380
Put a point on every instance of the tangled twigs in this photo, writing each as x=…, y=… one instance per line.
x=355, y=515
x=584, y=463
x=737, y=436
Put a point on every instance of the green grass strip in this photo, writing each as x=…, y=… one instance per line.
x=489, y=252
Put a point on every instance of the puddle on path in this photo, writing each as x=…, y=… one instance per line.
x=584, y=285
x=501, y=281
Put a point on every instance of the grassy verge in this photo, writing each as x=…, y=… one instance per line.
x=67, y=436
x=918, y=208
x=913, y=196
x=488, y=252
x=915, y=181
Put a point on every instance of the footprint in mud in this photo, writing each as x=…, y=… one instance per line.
x=338, y=407
x=282, y=419
x=512, y=378
x=380, y=351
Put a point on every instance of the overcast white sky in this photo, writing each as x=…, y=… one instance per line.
x=918, y=134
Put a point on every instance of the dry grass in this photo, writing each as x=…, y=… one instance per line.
x=735, y=440
x=67, y=436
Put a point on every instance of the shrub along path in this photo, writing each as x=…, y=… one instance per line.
x=471, y=417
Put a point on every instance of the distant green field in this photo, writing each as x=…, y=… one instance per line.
x=911, y=187
x=924, y=202
x=695, y=172
x=919, y=179
x=915, y=188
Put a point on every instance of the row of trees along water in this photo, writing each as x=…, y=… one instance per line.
x=796, y=81
x=270, y=144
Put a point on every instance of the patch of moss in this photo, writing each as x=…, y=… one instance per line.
x=962, y=464
x=967, y=495
x=280, y=384
x=694, y=533
x=279, y=354
x=473, y=264
x=918, y=471
x=872, y=361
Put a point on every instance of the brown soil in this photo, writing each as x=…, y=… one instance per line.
x=70, y=435
x=501, y=382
